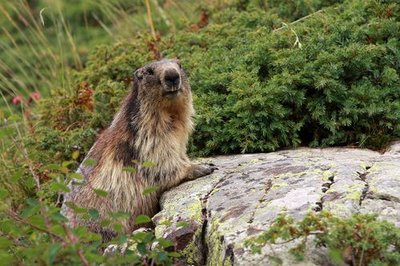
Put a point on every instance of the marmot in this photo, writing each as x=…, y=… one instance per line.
x=152, y=125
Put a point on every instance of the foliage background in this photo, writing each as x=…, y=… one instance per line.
x=265, y=75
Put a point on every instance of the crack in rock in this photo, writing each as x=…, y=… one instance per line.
x=384, y=197
x=325, y=187
x=268, y=186
x=205, y=215
x=363, y=177
x=229, y=255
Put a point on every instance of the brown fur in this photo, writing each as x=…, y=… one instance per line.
x=151, y=125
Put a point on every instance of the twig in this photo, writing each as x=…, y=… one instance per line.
x=163, y=15
x=18, y=218
x=104, y=26
x=297, y=42
x=294, y=238
x=73, y=240
x=41, y=15
x=150, y=20
x=299, y=20
x=37, y=180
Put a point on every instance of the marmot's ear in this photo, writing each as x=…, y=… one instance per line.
x=178, y=62
x=139, y=73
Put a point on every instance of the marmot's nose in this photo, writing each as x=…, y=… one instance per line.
x=171, y=78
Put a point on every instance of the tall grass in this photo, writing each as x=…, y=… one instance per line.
x=41, y=44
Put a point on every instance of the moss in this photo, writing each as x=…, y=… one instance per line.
x=279, y=184
x=213, y=239
x=327, y=175
x=355, y=192
x=193, y=253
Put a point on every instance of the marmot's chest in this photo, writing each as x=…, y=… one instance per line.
x=163, y=139
x=162, y=148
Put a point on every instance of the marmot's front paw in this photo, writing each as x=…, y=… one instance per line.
x=203, y=169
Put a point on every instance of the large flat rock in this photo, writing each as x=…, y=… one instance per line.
x=247, y=193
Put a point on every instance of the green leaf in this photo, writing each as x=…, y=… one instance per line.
x=117, y=227
x=32, y=202
x=100, y=192
x=6, y=131
x=58, y=217
x=77, y=176
x=89, y=162
x=149, y=190
x=148, y=164
x=75, y=155
x=53, y=250
x=65, y=164
x=105, y=222
x=166, y=223
x=182, y=224
x=119, y=215
x=142, y=219
x=174, y=254
x=5, y=243
x=165, y=243
x=75, y=207
x=161, y=256
x=14, y=118
x=52, y=167
x=59, y=187
x=139, y=236
x=94, y=214
x=129, y=170
x=122, y=239
x=141, y=247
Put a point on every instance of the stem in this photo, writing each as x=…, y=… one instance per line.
x=150, y=20
x=73, y=240
x=37, y=180
x=18, y=218
x=299, y=20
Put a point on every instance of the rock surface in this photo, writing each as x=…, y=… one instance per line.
x=247, y=193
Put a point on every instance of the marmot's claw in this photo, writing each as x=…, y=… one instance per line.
x=210, y=168
x=213, y=167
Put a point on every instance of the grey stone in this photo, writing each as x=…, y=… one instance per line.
x=247, y=193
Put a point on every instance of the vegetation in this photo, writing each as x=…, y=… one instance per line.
x=37, y=234
x=260, y=85
x=265, y=75
x=358, y=240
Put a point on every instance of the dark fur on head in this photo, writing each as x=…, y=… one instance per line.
x=153, y=124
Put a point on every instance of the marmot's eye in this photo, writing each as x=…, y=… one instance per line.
x=150, y=71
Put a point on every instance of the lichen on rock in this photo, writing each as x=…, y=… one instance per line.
x=248, y=192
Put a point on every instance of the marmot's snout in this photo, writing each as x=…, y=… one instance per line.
x=172, y=82
x=167, y=73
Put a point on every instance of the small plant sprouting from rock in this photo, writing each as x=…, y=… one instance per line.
x=359, y=240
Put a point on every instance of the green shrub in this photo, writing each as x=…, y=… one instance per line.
x=259, y=90
x=330, y=79
x=358, y=240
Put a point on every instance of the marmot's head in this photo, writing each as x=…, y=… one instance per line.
x=162, y=80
